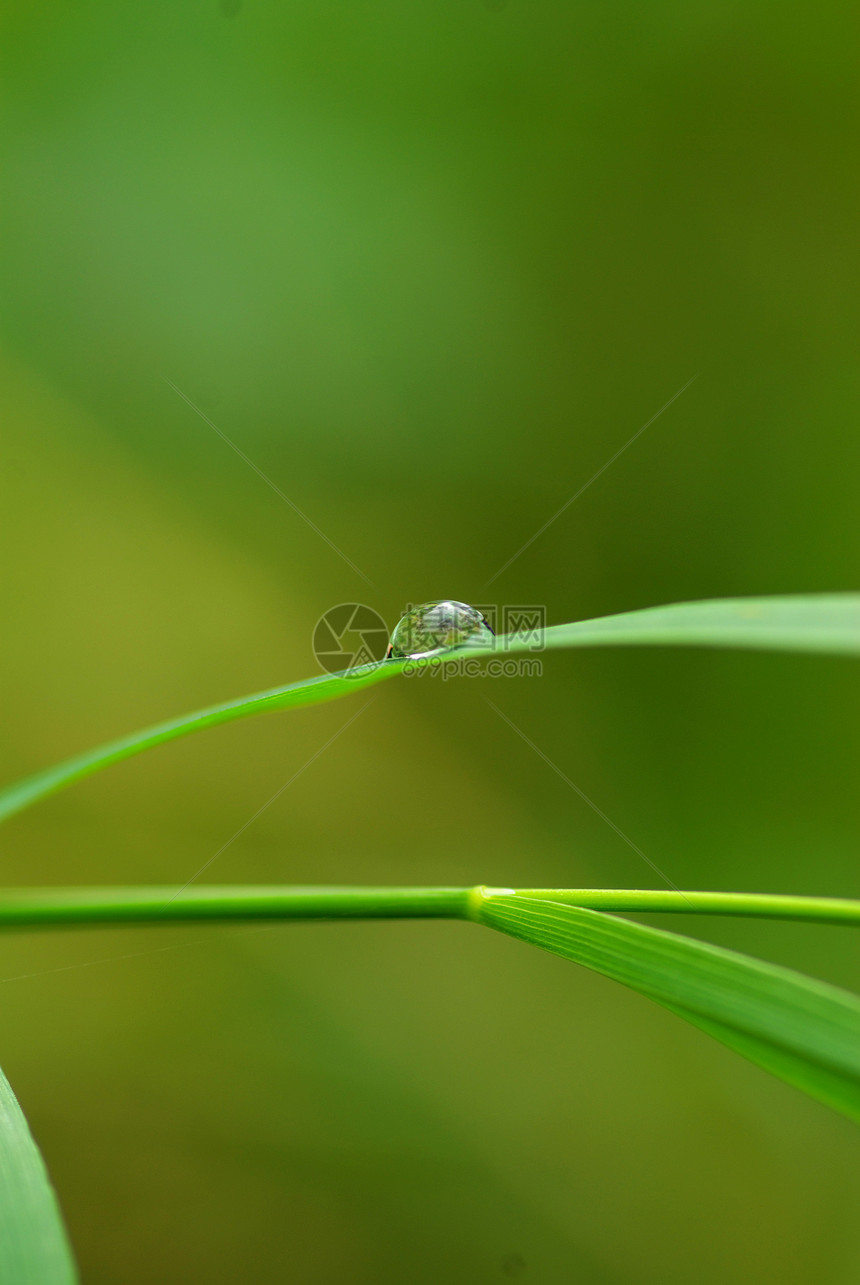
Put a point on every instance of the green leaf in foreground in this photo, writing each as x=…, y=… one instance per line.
x=825, y=623
x=802, y=1030
x=33, y=1245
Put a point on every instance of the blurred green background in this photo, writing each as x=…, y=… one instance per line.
x=429, y=265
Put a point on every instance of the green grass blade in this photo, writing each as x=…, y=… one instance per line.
x=33, y=1245
x=816, y=623
x=802, y=1030
x=811, y=623
x=310, y=691
x=835, y=1090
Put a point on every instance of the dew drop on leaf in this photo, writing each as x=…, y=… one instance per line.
x=438, y=626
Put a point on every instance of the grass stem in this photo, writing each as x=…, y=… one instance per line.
x=41, y=907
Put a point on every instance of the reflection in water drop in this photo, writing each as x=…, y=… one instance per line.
x=436, y=626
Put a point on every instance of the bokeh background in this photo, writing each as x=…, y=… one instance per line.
x=429, y=265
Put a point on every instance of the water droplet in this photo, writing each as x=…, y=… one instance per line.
x=437, y=626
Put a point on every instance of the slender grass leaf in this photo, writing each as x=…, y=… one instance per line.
x=815, y=623
x=33, y=1245
x=800, y=1029
x=811, y=623
x=829, y=1087
x=310, y=691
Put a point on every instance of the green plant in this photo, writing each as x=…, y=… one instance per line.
x=802, y=1030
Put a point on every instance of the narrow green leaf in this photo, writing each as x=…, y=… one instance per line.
x=815, y=623
x=811, y=623
x=33, y=1245
x=802, y=1030
x=310, y=691
x=837, y=1091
